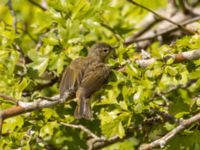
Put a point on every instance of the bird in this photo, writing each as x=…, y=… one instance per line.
x=84, y=76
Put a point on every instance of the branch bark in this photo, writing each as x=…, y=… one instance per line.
x=83, y=128
x=189, y=55
x=37, y=5
x=159, y=31
x=10, y=6
x=42, y=103
x=163, y=140
x=24, y=107
x=161, y=17
x=9, y=98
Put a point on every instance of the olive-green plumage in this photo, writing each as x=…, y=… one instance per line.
x=84, y=76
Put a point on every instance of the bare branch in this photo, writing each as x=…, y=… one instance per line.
x=22, y=30
x=166, y=100
x=37, y=5
x=162, y=29
x=90, y=142
x=181, y=57
x=24, y=107
x=129, y=133
x=13, y=15
x=182, y=86
x=12, y=99
x=163, y=140
x=162, y=17
x=116, y=35
x=168, y=30
x=190, y=55
x=150, y=20
x=84, y=129
x=1, y=122
x=185, y=7
x=105, y=143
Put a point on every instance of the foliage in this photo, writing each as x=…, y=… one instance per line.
x=46, y=41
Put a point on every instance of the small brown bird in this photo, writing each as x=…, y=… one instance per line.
x=84, y=76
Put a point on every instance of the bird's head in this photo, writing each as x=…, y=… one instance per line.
x=100, y=50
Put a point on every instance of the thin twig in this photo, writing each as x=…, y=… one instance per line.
x=23, y=107
x=163, y=140
x=12, y=99
x=116, y=35
x=37, y=5
x=185, y=7
x=147, y=26
x=177, y=58
x=162, y=17
x=1, y=122
x=132, y=38
x=167, y=116
x=90, y=142
x=179, y=86
x=174, y=88
x=166, y=100
x=13, y=15
x=107, y=142
x=96, y=142
x=84, y=129
x=22, y=30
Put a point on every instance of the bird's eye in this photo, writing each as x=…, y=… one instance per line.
x=105, y=50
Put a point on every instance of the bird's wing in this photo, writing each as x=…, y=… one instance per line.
x=93, y=78
x=72, y=76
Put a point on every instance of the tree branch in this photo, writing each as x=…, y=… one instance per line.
x=14, y=100
x=185, y=7
x=177, y=58
x=1, y=122
x=159, y=32
x=160, y=16
x=163, y=140
x=37, y=5
x=184, y=56
x=116, y=35
x=106, y=142
x=24, y=107
x=150, y=20
x=13, y=15
x=83, y=128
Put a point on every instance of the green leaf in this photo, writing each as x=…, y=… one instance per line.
x=170, y=61
x=10, y=125
x=171, y=71
x=40, y=65
x=49, y=113
x=20, y=87
x=194, y=74
x=169, y=126
x=121, y=131
x=181, y=114
x=47, y=131
x=111, y=123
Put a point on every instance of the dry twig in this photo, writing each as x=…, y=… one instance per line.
x=12, y=99
x=84, y=129
x=37, y=5
x=163, y=140
x=132, y=39
x=161, y=17
x=13, y=15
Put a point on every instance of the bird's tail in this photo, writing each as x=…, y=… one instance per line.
x=83, y=109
